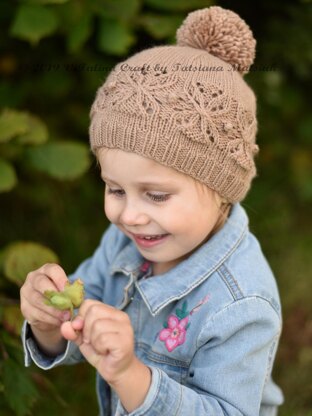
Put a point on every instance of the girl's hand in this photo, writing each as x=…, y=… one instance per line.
x=41, y=317
x=106, y=338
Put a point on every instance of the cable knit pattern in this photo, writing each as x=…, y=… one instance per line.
x=194, y=114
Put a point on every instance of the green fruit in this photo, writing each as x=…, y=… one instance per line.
x=68, y=299
x=60, y=301
x=75, y=292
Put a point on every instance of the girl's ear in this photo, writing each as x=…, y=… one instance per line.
x=223, y=205
x=219, y=200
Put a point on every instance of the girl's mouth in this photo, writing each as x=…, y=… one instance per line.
x=149, y=241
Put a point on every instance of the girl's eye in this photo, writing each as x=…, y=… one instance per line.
x=153, y=197
x=117, y=192
x=159, y=197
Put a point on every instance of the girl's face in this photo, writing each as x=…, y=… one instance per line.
x=143, y=197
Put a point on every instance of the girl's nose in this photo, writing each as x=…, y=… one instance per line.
x=133, y=215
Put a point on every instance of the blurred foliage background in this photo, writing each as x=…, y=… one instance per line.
x=54, y=54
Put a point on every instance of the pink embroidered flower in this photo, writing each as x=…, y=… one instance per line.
x=174, y=334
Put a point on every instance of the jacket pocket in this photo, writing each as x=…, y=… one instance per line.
x=176, y=369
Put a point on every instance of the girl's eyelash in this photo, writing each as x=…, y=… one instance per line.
x=153, y=197
x=158, y=198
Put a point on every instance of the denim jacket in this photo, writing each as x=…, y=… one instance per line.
x=208, y=328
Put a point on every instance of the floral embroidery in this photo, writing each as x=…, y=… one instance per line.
x=174, y=335
x=174, y=332
x=201, y=303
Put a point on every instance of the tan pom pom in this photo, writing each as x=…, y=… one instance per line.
x=220, y=32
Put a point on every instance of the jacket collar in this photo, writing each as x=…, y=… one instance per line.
x=158, y=291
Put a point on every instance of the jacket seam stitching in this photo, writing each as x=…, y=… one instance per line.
x=250, y=297
x=227, y=280
x=272, y=352
x=180, y=401
x=168, y=360
x=213, y=317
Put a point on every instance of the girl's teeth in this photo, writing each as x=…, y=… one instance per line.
x=152, y=237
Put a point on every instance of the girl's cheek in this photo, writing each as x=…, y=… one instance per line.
x=111, y=211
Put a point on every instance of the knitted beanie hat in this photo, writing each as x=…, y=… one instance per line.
x=187, y=106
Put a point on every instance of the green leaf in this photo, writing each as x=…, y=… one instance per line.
x=184, y=306
x=178, y=5
x=79, y=33
x=19, y=390
x=114, y=37
x=33, y=22
x=119, y=9
x=179, y=313
x=24, y=256
x=28, y=128
x=182, y=313
x=8, y=177
x=37, y=133
x=12, y=319
x=160, y=27
x=12, y=123
x=165, y=325
x=60, y=160
x=12, y=346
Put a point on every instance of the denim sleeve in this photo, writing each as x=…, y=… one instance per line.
x=93, y=272
x=32, y=352
x=229, y=370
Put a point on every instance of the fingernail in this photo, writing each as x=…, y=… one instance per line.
x=77, y=323
x=78, y=319
x=65, y=316
x=86, y=341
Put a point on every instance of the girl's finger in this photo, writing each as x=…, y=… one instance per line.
x=90, y=354
x=69, y=333
x=36, y=284
x=95, y=307
x=55, y=273
x=93, y=311
x=37, y=301
x=103, y=326
x=41, y=282
x=77, y=323
x=112, y=343
x=42, y=320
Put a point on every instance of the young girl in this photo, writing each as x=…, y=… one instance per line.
x=182, y=314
